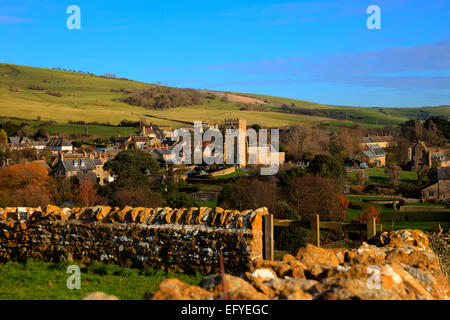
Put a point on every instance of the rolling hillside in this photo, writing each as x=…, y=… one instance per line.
x=62, y=96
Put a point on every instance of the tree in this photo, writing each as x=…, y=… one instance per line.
x=291, y=238
x=361, y=177
x=26, y=185
x=62, y=190
x=132, y=167
x=442, y=124
x=25, y=131
x=337, y=148
x=87, y=194
x=399, y=152
x=314, y=194
x=295, y=140
x=137, y=198
x=3, y=136
x=249, y=193
x=432, y=134
x=393, y=172
x=174, y=198
x=41, y=133
x=370, y=211
x=256, y=127
x=328, y=167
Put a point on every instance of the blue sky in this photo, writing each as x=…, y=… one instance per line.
x=318, y=51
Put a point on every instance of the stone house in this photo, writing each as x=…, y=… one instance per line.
x=440, y=190
x=148, y=132
x=19, y=146
x=39, y=145
x=372, y=154
x=80, y=168
x=420, y=156
x=19, y=143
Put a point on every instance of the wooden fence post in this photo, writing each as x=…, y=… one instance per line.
x=268, y=237
x=371, y=228
x=315, y=229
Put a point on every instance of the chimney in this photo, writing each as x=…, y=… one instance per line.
x=429, y=159
x=409, y=154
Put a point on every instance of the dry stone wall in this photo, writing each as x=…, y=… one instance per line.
x=181, y=240
x=402, y=266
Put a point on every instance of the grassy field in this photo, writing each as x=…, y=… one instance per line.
x=102, y=131
x=70, y=128
x=370, y=117
x=421, y=225
x=41, y=280
x=391, y=220
x=89, y=97
x=378, y=176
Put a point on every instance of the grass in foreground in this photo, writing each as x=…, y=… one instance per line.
x=35, y=280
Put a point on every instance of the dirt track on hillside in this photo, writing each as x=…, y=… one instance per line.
x=235, y=97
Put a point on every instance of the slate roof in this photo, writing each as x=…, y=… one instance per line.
x=162, y=152
x=39, y=143
x=169, y=142
x=439, y=156
x=79, y=164
x=19, y=140
x=374, y=152
x=58, y=142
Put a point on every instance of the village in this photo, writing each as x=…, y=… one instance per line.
x=382, y=169
x=335, y=193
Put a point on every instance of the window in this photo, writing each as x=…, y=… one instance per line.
x=430, y=193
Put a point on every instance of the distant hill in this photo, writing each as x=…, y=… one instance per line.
x=62, y=96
